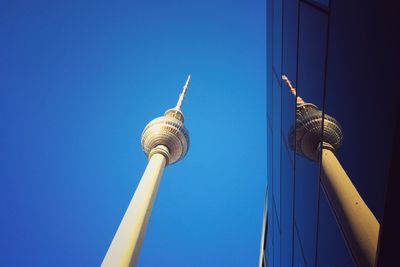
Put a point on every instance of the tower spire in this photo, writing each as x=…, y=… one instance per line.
x=182, y=95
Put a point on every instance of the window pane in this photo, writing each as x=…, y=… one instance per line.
x=276, y=147
x=277, y=36
x=311, y=70
x=298, y=260
x=287, y=176
x=332, y=250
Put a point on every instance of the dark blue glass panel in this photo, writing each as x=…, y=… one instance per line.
x=312, y=54
x=276, y=147
x=358, y=76
x=289, y=63
x=268, y=251
x=270, y=236
x=332, y=250
x=264, y=261
x=269, y=60
x=287, y=190
x=270, y=100
x=306, y=199
x=298, y=259
x=288, y=116
x=277, y=36
x=311, y=70
x=269, y=162
x=323, y=3
x=290, y=30
x=277, y=243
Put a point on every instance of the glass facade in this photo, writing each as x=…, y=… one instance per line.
x=333, y=53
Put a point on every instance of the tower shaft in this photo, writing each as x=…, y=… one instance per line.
x=125, y=246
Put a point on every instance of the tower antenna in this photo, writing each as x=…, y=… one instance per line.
x=182, y=95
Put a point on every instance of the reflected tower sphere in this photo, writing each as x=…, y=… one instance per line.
x=305, y=135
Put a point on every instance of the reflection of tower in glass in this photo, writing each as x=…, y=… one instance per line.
x=305, y=137
x=165, y=140
x=316, y=133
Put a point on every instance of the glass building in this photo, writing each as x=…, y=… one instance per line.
x=340, y=56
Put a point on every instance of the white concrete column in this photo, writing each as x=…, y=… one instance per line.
x=359, y=225
x=125, y=246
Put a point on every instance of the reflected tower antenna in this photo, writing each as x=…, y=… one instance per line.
x=292, y=89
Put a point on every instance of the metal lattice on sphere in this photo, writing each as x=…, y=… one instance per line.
x=168, y=131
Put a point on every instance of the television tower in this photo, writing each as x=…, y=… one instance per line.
x=165, y=140
x=358, y=223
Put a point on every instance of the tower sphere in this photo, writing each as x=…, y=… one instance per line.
x=305, y=137
x=168, y=131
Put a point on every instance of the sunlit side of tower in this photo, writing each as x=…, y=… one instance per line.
x=165, y=140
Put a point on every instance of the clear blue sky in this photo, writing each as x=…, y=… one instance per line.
x=79, y=80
